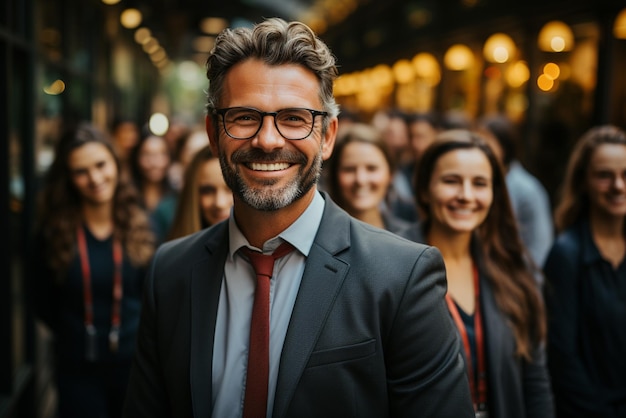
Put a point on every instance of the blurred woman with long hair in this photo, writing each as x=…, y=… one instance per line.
x=493, y=296
x=205, y=199
x=94, y=245
x=586, y=281
x=149, y=164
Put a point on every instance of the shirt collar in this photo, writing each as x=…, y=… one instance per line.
x=590, y=252
x=300, y=234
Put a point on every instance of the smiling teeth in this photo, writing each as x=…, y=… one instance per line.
x=269, y=167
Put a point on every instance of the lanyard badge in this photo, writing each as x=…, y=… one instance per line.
x=91, y=333
x=477, y=378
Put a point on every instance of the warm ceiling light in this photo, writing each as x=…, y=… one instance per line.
x=458, y=58
x=346, y=84
x=158, y=55
x=162, y=64
x=382, y=75
x=203, y=43
x=427, y=68
x=57, y=87
x=213, y=25
x=499, y=48
x=619, y=27
x=151, y=45
x=517, y=74
x=425, y=64
x=545, y=83
x=130, y=18
x=142, y=35
x=552, y=70
x=110, y=1
x=403, y=71
x=158, y=123
x=555, y=36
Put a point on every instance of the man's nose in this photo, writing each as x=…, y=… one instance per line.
x=268, y=138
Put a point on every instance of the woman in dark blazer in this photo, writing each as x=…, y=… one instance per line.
x=492, y=293
x=586, y=281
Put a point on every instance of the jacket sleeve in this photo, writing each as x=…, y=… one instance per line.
x=536, y=385
x=426, y=373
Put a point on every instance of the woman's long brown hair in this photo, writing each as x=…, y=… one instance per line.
x=503, y=256
x=574, y=202
x=60, y=208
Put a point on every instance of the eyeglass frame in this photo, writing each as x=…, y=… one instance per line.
x=314, y=113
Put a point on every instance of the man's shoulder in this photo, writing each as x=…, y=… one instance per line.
x=339, y=227
x=382, y=241
x=197, y=242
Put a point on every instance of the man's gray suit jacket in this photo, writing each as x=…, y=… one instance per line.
x=370, y=334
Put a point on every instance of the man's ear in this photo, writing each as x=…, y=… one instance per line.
x=208, y=123
x=329, y=139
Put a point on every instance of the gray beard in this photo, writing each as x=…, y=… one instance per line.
x=266, y=198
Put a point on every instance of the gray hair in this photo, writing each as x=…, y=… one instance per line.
x=275, y=42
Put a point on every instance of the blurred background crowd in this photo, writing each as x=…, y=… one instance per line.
x=533, y=79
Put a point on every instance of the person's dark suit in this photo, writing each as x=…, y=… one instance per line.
x=370, y=334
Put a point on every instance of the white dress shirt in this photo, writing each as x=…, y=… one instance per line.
x=232, y=331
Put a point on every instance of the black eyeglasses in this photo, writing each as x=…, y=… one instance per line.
x=246, y=122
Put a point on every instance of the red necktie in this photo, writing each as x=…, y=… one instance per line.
x=255, y=401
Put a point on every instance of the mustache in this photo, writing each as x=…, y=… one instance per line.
x=257, y=155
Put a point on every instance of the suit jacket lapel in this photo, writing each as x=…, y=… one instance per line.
x=321, y=282
x=206, y=280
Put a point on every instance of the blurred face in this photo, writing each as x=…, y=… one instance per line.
x=93, y=173
x=606, y=180
x=215, y=196
x=396, y=134
x=422, y=134
x=154, y=159
x=269, y=172
x=460, y=191
x=363, y=176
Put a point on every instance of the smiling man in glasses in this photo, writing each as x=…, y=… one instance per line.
x=344, y=320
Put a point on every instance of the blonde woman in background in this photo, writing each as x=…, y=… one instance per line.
x=205, y=199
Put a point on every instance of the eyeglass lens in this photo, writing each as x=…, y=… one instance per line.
x=244, y=123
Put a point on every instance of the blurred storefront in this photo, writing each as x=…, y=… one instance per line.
x=61, y=62
x=555, y=67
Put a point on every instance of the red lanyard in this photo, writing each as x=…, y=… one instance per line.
x=117, y=289
x=479, y=395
